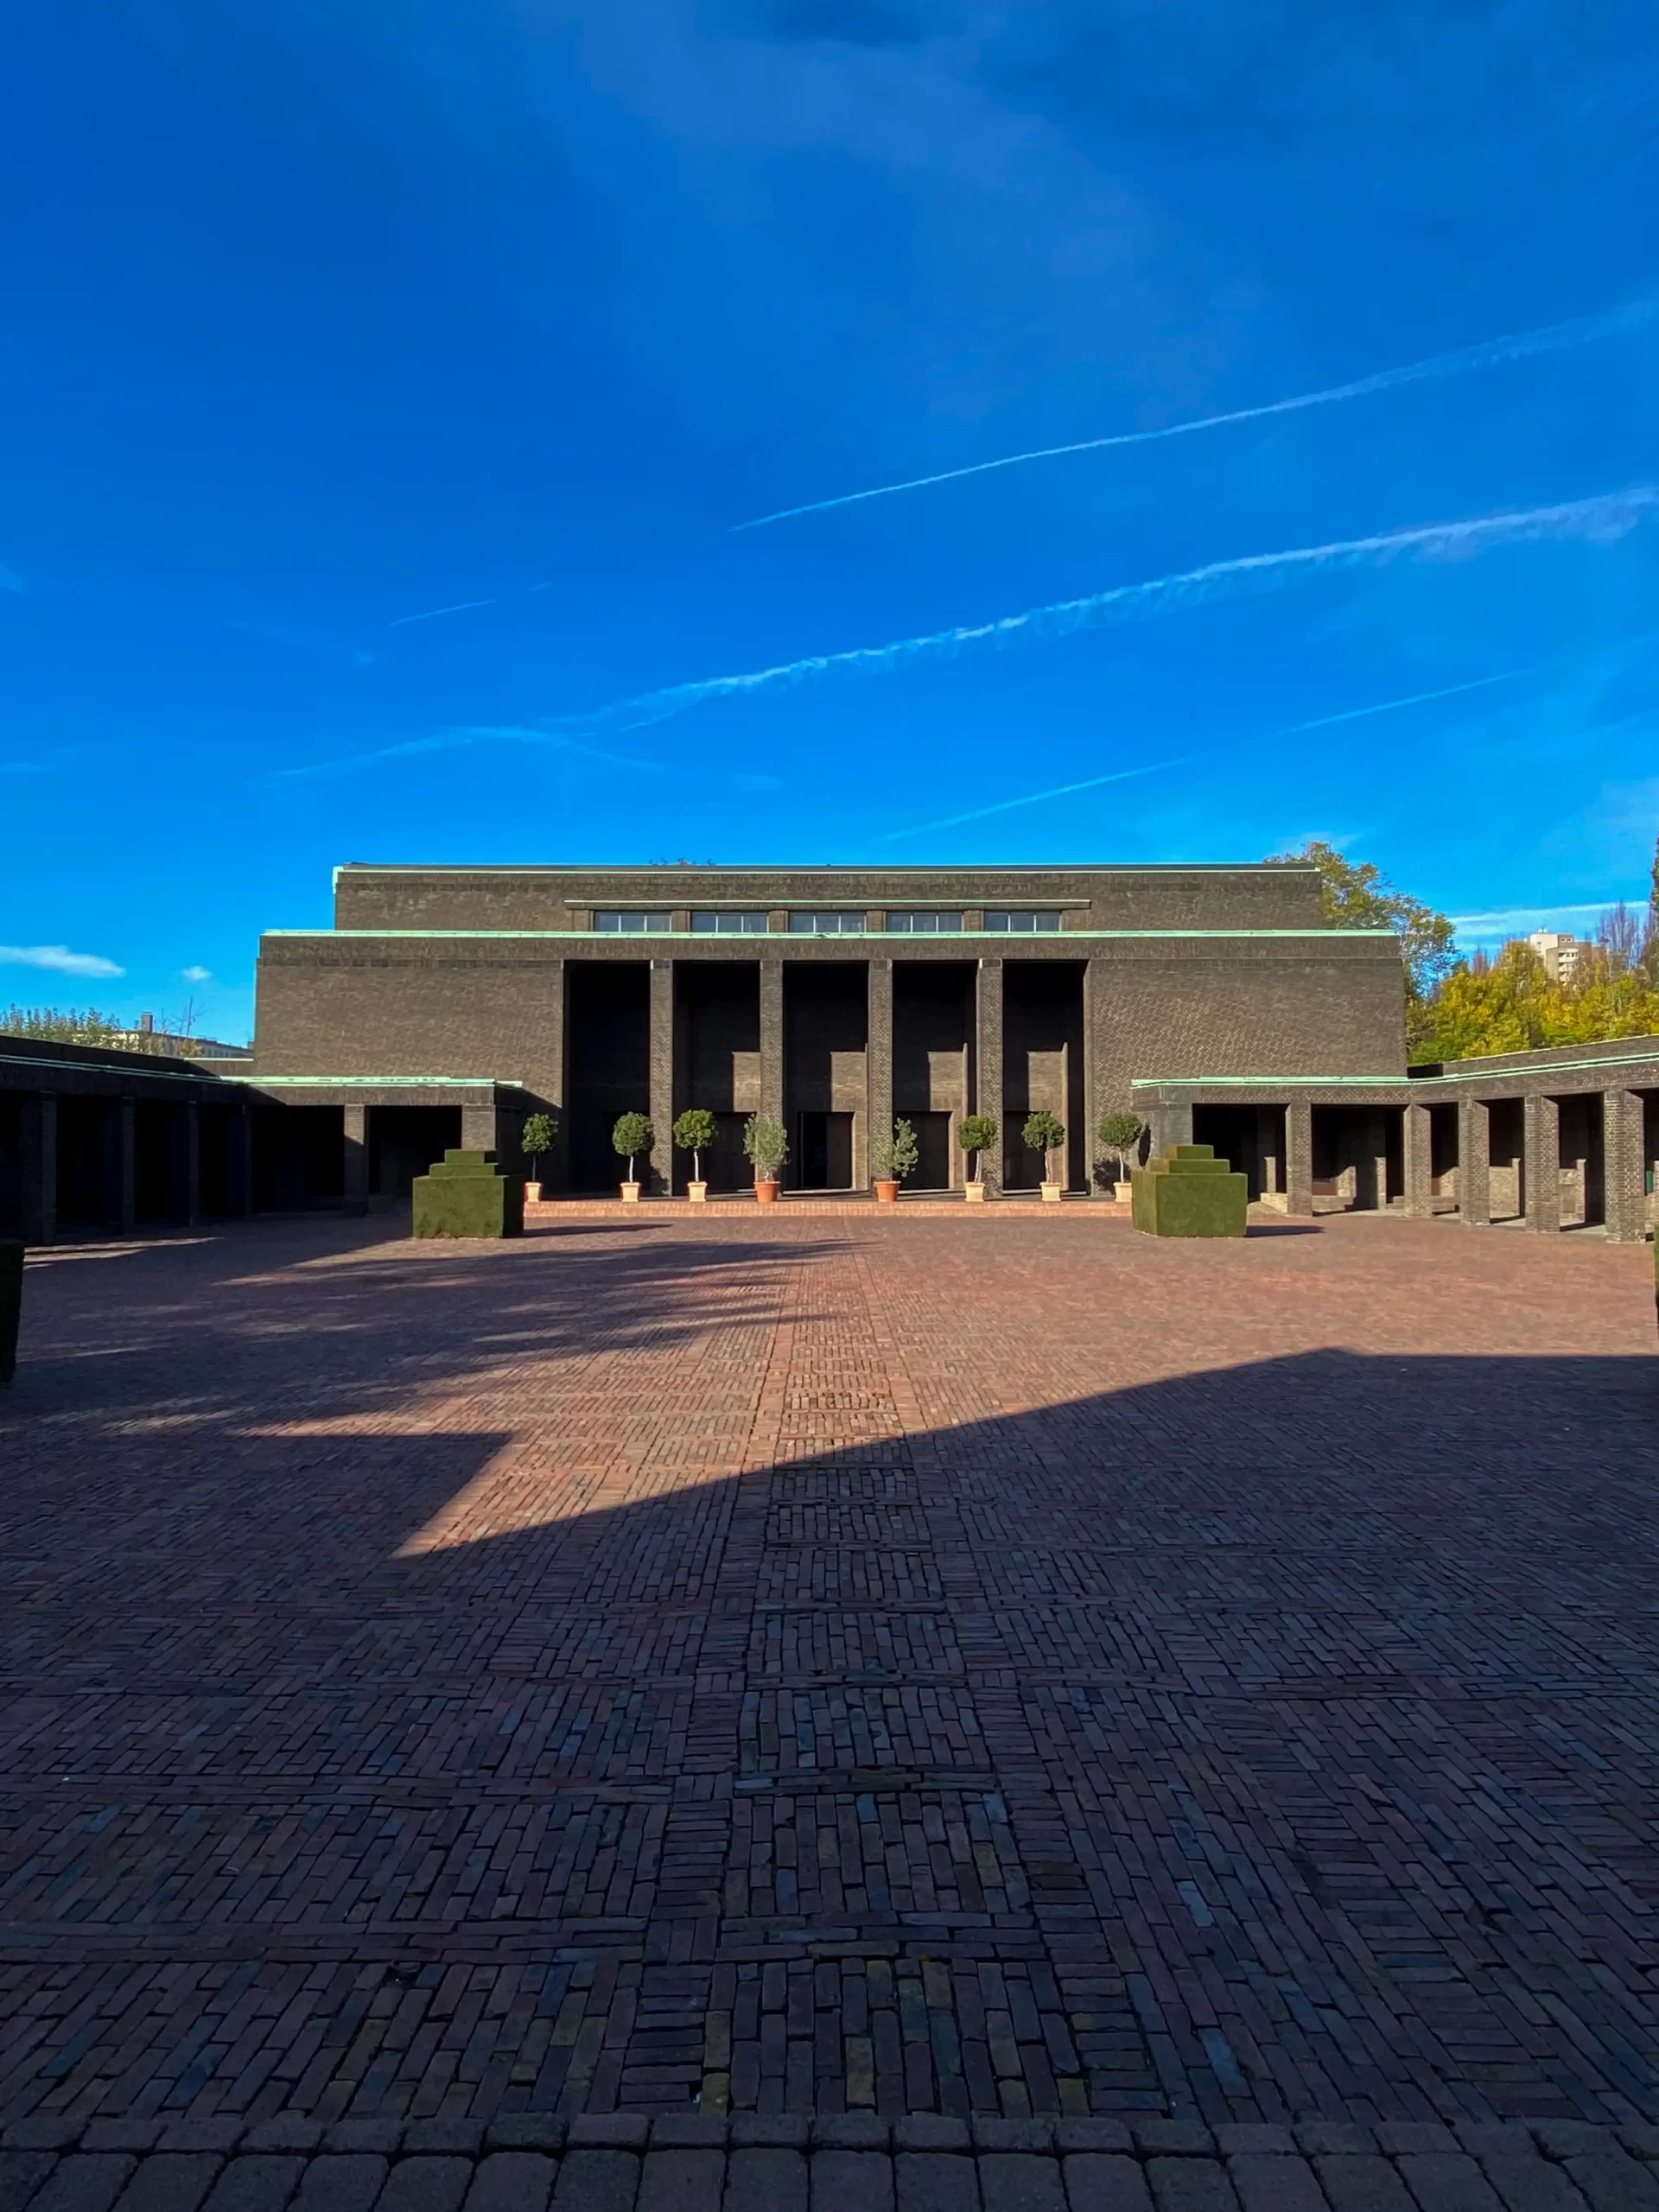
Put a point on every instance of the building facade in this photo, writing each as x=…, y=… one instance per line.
x=447, y=1004
x=830, y=999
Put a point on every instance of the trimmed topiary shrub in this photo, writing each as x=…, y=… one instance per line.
x=1045, y=1132
x=765, y=1146
x=1119, y=1136
x=539, y=1135
x=694, y=1133
x=633, y=1135
x=976, y=1133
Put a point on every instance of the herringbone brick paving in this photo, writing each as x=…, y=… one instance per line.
x=805, y=1664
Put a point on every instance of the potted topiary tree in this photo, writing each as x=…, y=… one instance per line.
x=1045, y=1132
x=766, y=1144
x=633, y=1135
x=1120, y=1134
x=976, y=1133
x=891, y=1158
x=539, y=1135
x=694, y=1133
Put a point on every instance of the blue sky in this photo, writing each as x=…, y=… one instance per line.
x=322, y=318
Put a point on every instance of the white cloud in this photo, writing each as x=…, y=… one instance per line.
x=59, y=959
x=198, y=975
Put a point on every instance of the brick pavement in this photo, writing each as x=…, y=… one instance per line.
x=793, y=1666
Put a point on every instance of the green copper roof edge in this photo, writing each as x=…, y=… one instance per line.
x=1492, y=1074
x=1262, y=1082
x=671, y=871
x=383, y=1082
x=878, y=937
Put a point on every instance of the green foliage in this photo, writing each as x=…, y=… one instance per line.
x=894, y=1156
x=1120, y=1134
x=631, y=1136
x=1510, y=1005
x=976, y=1133
x=1044, y=1133
x=766, y=1144
x=539, y=1135
x=694, y=1132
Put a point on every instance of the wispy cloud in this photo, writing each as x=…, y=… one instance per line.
x=1030, y=798
x=198, y=975
x=1519, y=346
x=58, y=959
x=1123, y=775
x=450, y=741
x=432, y=613
x=1600, y=520
x=10, y=579
x=1505, y=917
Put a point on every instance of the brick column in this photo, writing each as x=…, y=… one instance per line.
x=1624, y=1201
x=1418, y=1160
x=878, y=1056
x=1475, y=1163
x=354, y=1166
x=1269, y=1145
x=1096, y=995
x=1299, y=1158
x=555, y=1078
x=477, y=1130
x=660, y=1176
x=1171, y=1125
x=988, y=1067
x=38, y=1194
x=120, y=1179
x=1379, y=1123
x=772, y=1040
x=239, y=1197
x=184, y=1164
x=1541, y=1157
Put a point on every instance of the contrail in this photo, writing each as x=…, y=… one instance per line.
x=1520, y=346
x=1322, y=721
x=1611, y=516
x=447, y=741
x=461, y=607
x=1030, y=798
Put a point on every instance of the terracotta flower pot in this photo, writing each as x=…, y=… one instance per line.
x=697, y=1192
x=975, y=1193
x=1053, y=1193
x=630, y=1194
x=533, y=1194
x=766, y=1194
x=886, y=1193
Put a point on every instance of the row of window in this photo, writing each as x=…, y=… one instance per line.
x=922, y=922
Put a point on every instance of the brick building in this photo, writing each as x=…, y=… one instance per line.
x=447, y=1003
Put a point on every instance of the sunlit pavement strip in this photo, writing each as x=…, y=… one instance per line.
x=807, y=1675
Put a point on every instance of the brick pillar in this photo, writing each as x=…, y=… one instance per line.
x=1379, y=1126
x=38, y=1193
x=239, y=1197
x=659, y=1177
x=1171, y=1124
x=184, y=1164
x=772, y=1040
x=988, y=1067
x=1475, y=1163
x=477, y=1130
x=1418, y=1161
x=878, y=1059
x=1299, y=1158
x=1096, y=997
x=1625, y=1203
x=1542, y=1154
x=1269, y=1145
x=354, y=1175
x=553, y=1076
x=120, y=1179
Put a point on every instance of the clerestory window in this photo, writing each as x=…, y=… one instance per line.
x=925, y=923
x=1024, y=924
x=718, y=924
x=613, y=921
x=827, y=925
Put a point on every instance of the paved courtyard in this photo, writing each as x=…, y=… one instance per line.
x=827, y=1663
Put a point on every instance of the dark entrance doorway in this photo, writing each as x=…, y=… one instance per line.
x=823, y=1152
x=932, y=1151
x=609, y=1042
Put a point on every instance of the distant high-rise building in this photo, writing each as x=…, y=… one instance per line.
x=1561, y=955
